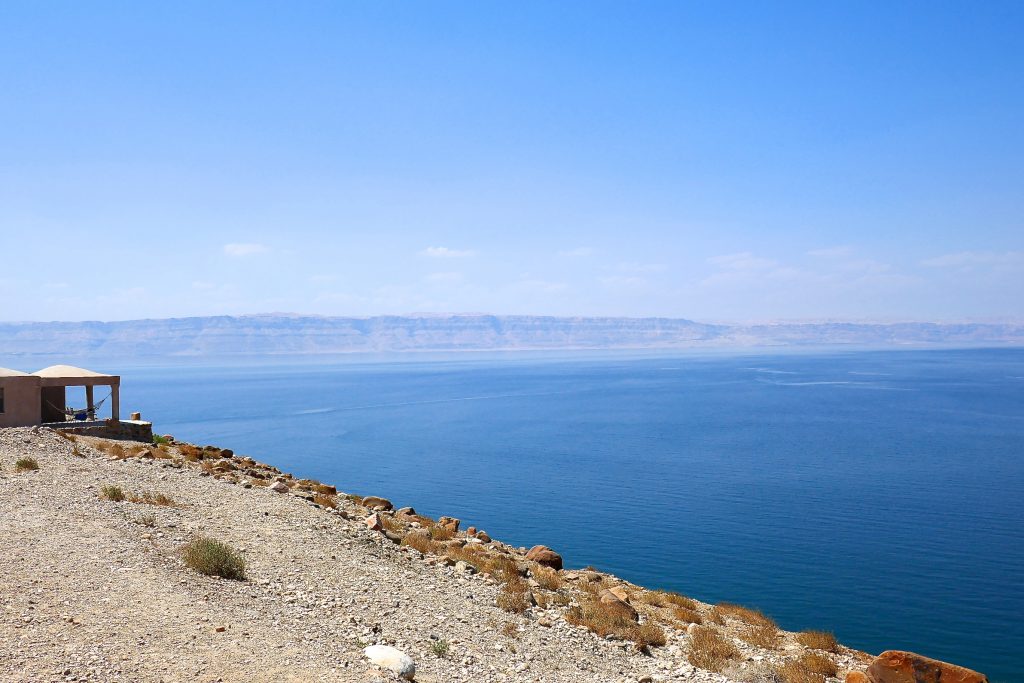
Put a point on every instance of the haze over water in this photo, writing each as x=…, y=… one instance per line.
x=876, y=494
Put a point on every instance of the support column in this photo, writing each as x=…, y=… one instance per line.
x=90, y=410
x=115, y=402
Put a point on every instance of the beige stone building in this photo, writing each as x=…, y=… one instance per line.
x=40, y=398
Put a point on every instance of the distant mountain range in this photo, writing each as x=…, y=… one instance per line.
x=298, y=334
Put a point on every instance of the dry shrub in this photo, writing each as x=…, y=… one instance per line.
x=546, y=600
x=213, y=558
x=326, y=500
x=25, y=465
x=440, y=533
x=819, y=640
x=668, y=599
x=547, y=577
x=687, y=616
x=326, y=490
x=117, y=451
x=419, y=541
x=147, y=520
x=819, y=664
x=112, y=493
x=353, y=498
x=647, y=635
x=601, y=618
x=514, y=596
x=793, y=671
x=715, y=616
x=256, y=481
x=710, y=650
x=745, y=614
x=148, y=498
x=761, y=635
x=510, y=630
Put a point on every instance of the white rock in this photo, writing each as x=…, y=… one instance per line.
x=279, y=487
x=392, y=659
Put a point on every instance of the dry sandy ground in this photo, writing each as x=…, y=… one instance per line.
x=87, y=593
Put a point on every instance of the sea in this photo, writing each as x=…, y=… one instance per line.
x=875, y=494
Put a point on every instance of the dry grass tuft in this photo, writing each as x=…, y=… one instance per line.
x=147, y=520
x=745, y=614
x=213, y=558
x=440, y=533
x=710, y=650
x=612, y=620
x=149, y=498
x=510, y=630
x=667, y=599
x=419, y=541
x=819, y=664
x=793, y=671
x=687, y=616
x=548, y=578
x=819, y=640
x=765, y=636
x=112, y=493
x=514, y=596
x=647, y=635
x=26, y=465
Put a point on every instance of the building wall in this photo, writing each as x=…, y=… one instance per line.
x=21, y=402
x=52, y=404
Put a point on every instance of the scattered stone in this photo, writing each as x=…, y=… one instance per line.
x=610, y=598
x=279, y=487
x=375, y=522
x=392, y=659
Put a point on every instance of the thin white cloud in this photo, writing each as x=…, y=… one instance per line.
x=967, y=259
x=445, y=252
x=578, y=252
x=242, y=249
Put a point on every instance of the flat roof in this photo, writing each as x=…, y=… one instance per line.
x=70, y=376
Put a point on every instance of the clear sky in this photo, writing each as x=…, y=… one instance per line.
x=716, y=161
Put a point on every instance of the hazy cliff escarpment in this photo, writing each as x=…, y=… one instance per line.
x=295, y=334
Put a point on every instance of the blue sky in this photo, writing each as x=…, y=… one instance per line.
x=716, y=161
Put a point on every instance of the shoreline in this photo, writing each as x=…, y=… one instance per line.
x=565, y=618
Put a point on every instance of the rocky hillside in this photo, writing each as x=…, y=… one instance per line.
x=292, y=334
x=134, y=562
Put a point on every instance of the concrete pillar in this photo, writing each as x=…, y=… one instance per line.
x=115, y=402
x=90, y=410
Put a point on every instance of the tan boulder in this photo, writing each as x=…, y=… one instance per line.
x=617, y=604
x=374, y=522
x=620, y=593
x=898, y=666
x=377, y=503
x=856, y=677
x=544, y=555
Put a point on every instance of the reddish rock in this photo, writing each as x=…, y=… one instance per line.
x=471, y=531
x=856, y=677
x=482, y=535
x=897, y=666
x=449, y=523
x=375, y=503
x=374, y=522
x=544, y=555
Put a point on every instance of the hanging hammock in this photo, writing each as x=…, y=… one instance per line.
x=80, y=414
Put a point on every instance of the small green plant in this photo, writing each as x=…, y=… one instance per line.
x=159, y=440
x=26, y=465
x=112, y=493
x=439, y=648
x=213, y=558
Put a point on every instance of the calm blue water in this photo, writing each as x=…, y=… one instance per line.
x=876, y=494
